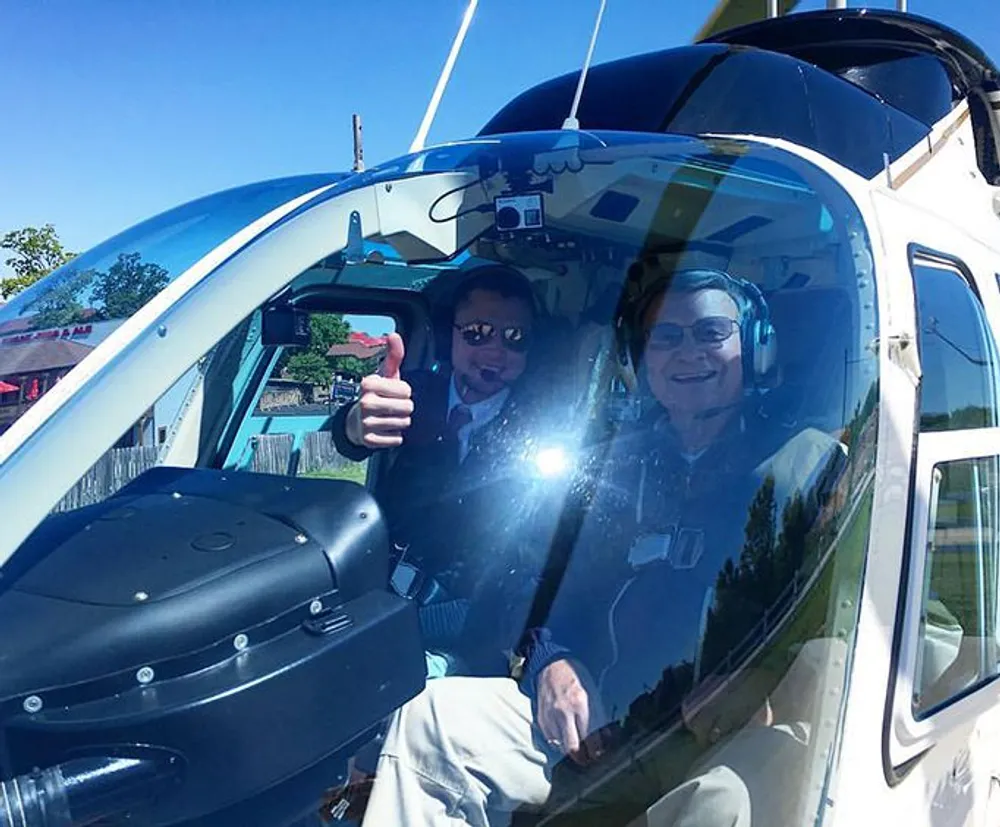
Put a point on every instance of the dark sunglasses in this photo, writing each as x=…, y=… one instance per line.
x=476, y=334
x=712, y=330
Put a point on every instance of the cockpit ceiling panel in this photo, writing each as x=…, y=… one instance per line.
x=678, y=215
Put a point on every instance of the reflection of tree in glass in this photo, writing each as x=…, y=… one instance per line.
x=745, y=590
x=768, y=563
x=116, y=294
x=661, y=705
x=60, y=305
x=971, y=416
x=127, y=286
x=765, y=579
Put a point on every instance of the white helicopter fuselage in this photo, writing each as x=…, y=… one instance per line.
x=888, y=756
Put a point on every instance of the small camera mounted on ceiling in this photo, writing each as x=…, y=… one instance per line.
x=519, y=212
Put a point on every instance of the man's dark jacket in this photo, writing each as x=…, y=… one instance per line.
x=453, y=517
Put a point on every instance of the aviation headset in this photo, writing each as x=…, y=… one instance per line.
x=647, y=280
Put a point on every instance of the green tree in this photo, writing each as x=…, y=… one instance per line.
x=309, y=367
x=311, y=364
x=327, y=329
x=116, y=294
x=37, y=251
x=127, y=285
x=355, y=366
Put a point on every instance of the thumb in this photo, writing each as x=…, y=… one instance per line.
x=393, y=357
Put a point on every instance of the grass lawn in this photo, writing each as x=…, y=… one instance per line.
x=353, y=472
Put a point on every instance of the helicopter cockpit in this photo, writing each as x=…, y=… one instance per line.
x=572, y=214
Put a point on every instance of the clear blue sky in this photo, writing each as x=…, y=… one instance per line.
x=113, y=111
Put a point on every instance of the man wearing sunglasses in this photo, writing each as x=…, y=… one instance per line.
x=629, y=612
x=451, y=431
x=491, y=331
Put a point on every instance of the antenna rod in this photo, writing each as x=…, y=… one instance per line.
x=359, y=153
x=900, y=5
x=571, y=122
x=425, y=126
x=772, y=8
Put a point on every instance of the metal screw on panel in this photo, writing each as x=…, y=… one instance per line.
x=140, y=597
x=145, y=675
x=161, y=331
x=301, y=539
x=315, y=607
x=32, y=704
x=240, y=642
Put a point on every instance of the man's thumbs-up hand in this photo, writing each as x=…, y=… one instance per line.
x=383, y=412
x=393, y=358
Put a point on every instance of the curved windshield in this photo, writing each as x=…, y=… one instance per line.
x=549, y=494
x=114, y=279
x=47, y=329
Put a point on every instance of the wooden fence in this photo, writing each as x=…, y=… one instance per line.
x=272, y=454
x=116, y=468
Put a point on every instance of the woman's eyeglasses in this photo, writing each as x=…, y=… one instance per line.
x=476, y=334
x=712, y=330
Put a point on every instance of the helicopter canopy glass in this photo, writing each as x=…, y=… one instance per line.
x=114, y=279
x=642, y=286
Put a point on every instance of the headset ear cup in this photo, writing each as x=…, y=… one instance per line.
x=626, y=364
x=765, y=350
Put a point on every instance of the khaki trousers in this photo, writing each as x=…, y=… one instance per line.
x=466, y=752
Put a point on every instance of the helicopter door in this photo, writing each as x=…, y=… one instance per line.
x=946, y=715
